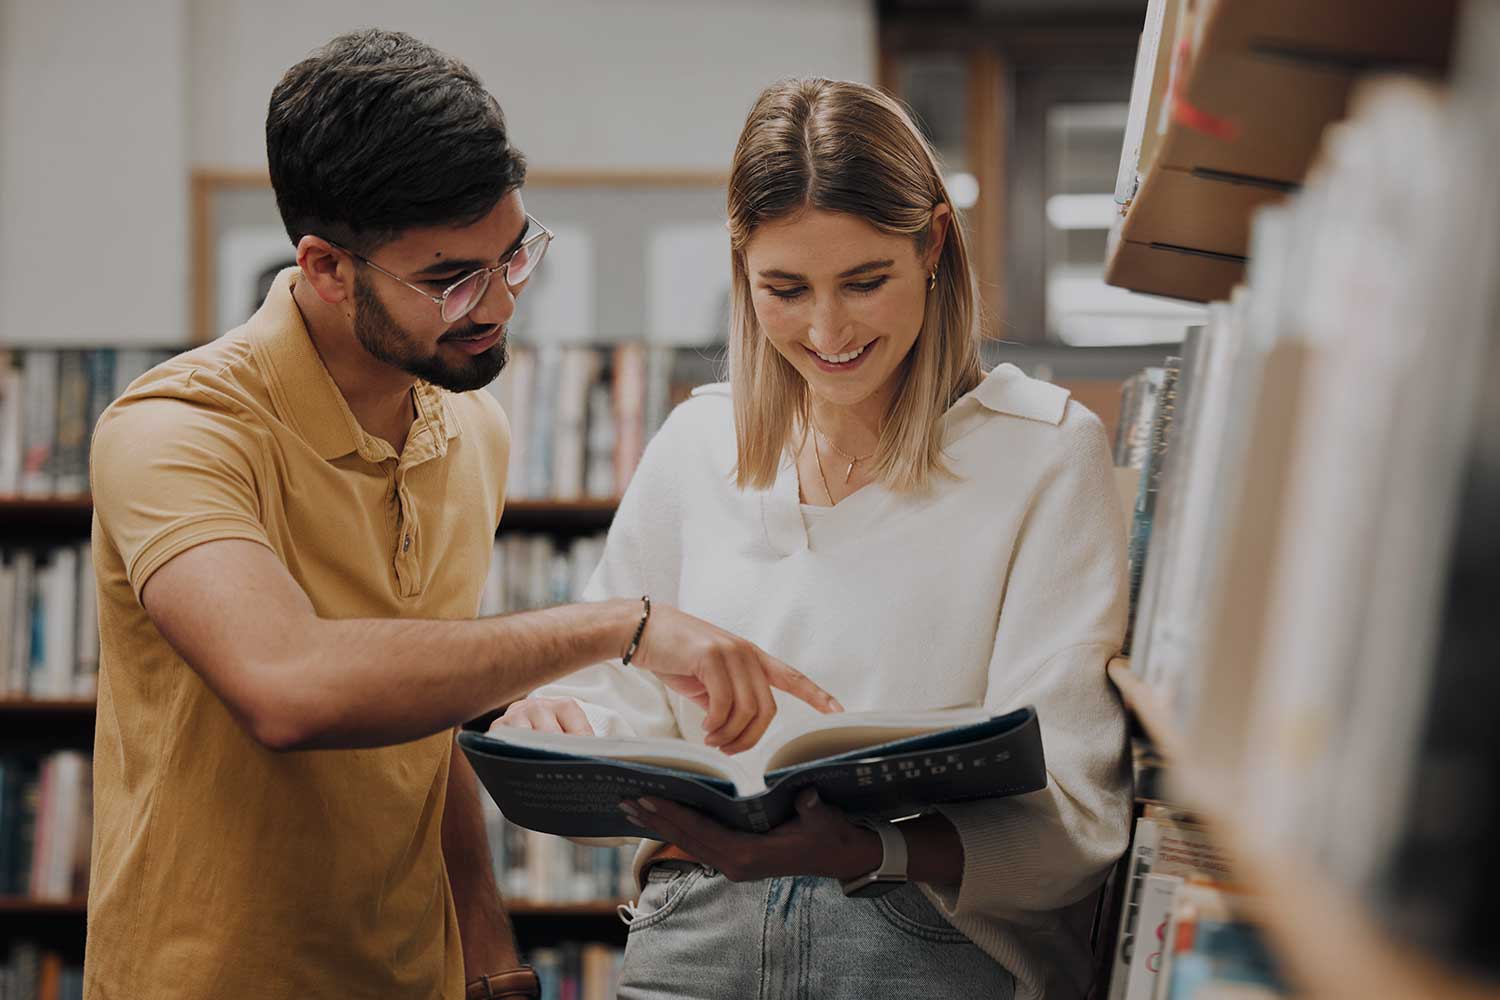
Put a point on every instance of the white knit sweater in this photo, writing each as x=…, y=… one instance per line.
x=1003, y=588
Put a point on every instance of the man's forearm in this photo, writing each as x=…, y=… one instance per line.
x=373, y=682
x=489, y=943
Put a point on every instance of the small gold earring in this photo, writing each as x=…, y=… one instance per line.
x=932, y=280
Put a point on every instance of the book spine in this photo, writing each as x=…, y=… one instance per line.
x=1142, y=855
x=70, y=464
x=11, y=446
x=630, y=411
x=39, y=374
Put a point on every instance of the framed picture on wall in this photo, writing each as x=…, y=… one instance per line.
x=638, y=256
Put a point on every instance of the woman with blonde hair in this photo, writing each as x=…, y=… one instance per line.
x=864, y=501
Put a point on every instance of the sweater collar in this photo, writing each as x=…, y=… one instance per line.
x=1006, y=390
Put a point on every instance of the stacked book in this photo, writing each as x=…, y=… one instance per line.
x=49, y=628
x=46, y=821
x=31, y=971
x=1175, y=872
x=49, y=403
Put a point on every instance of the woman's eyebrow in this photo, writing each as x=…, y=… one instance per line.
x=866, y=267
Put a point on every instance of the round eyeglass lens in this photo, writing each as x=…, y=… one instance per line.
x=464, y=296
x=526, y=258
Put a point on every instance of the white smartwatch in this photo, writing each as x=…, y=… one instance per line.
x=892, y=871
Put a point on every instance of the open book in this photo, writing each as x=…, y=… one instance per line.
x=867, y=763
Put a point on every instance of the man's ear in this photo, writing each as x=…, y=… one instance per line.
x=329, y=270
x=937, y=235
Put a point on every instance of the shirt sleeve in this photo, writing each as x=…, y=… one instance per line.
x=168, y=474
x=639, y=559
x=1062, y=619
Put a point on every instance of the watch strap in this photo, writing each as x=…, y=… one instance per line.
x=893, y=862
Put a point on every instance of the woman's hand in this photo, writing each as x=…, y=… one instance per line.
x=819, y=841
x=551, y=715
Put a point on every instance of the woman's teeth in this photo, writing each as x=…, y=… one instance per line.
x=840, y=359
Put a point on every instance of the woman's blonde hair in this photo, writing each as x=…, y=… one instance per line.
x=845, y=147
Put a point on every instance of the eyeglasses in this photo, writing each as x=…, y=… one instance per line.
x=460, y=298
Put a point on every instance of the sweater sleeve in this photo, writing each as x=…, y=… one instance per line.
x=1061, y=619
x=621, y=700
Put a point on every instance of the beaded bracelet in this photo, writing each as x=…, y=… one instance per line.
x=640, y=629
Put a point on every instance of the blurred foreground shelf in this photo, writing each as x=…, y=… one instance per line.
x=1240, y=93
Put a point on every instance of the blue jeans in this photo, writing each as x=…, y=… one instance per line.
x=695, y=934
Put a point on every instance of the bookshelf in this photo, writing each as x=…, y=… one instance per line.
x=71, y=516
x=42, y=724
x=1241, y=94
x=1298, y=711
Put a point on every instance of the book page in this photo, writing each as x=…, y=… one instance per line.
x=676, y=755
x=831, y=735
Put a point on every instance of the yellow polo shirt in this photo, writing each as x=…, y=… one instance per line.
x=220, y=868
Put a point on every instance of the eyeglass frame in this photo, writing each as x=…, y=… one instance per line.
x=546, y=236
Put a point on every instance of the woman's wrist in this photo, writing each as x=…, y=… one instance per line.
x=856, y=854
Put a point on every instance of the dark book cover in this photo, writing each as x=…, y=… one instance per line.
x=576, y=795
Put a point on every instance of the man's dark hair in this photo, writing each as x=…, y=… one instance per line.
x=376, y=133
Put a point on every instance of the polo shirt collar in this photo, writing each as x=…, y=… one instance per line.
x=309, y=399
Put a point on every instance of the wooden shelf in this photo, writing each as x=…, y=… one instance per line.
x=54, y=707
x=51, y=516
x=595, y=909
x=602, y=909
x=21, y=906
x=1247, y=114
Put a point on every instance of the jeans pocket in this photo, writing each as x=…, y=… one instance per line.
x=666, y=885
x=909, y=910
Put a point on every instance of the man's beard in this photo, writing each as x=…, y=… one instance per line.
x=379, y=334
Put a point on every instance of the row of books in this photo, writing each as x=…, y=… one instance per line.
x=570, y=971
x=580, y=417
x=46, y=822
x=49, y=402
x=1318, y=569
x=32, y=971
x=49, y=626
x=577, y=970
x=1181, y=924
x=540, y=868
x=537, y=571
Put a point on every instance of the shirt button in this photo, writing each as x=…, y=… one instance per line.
x=406, y=543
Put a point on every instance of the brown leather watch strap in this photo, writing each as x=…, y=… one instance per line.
x=514, y=984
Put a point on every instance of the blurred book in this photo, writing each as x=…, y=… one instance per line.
x=50, y=400
x=49, y=629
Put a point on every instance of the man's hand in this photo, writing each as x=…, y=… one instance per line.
x=550, y=715
x=819, y=841
x=728, y=677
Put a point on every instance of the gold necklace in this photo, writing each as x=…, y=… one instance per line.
x=821, y=474
x=842, y=454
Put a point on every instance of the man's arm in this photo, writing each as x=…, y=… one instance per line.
x=489, y=943
x=296, y=681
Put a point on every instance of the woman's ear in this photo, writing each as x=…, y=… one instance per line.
x=937, y=235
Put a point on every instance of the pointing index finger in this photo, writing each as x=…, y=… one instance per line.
x=798, y=684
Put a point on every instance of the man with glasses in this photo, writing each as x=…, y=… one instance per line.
x=292, y=529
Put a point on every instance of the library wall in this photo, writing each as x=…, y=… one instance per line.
x=93, y=172
x=138, y=95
